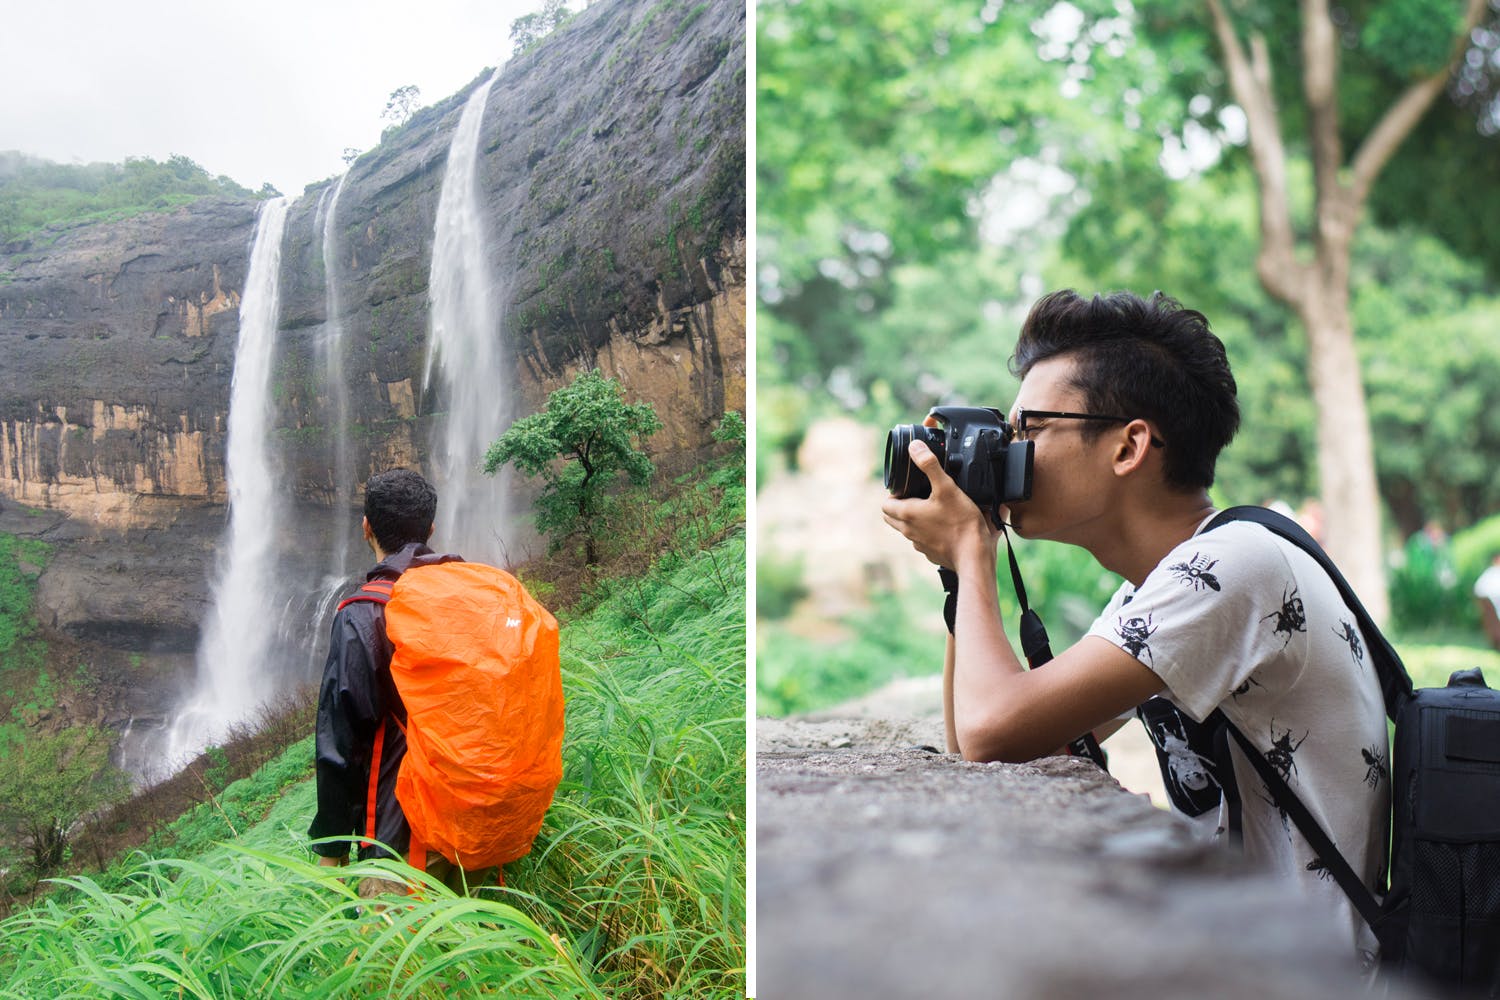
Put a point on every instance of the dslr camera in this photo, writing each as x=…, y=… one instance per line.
x=976, y=447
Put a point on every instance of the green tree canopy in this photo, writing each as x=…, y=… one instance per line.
x=580, y=444
x=528, y=29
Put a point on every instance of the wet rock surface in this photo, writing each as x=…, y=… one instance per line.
x=885, y=870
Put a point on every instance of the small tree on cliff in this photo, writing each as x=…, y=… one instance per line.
x=579, y=444
x=527, y=30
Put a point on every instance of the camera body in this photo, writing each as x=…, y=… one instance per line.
x=976, y=448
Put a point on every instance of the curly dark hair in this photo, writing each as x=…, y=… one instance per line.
x=400, y=506
x=1147, y=358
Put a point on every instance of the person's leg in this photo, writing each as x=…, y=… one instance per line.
x=461, y=881
x=369, y=888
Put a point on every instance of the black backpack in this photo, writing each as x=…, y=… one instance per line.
x=1441, y=915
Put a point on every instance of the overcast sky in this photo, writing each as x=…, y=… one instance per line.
x=272, y=90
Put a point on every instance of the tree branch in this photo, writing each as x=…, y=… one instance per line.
x=1250, y=82
x=1320, y=66
x=1402, y=116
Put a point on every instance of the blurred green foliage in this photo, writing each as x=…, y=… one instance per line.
x=902, y=634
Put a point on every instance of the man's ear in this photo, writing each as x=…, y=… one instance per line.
x=1132, y=446
x=430, y=528
x=366, y=530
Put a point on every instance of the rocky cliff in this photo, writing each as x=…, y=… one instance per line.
x=612, y=170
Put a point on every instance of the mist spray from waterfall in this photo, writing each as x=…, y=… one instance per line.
x=463, y=348
x=233, y=678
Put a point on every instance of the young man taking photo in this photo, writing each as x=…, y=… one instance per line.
x=1128, y=403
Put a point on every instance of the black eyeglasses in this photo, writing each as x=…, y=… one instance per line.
x=1024, y=416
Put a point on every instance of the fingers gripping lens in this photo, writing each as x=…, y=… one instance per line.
x=975, y=447
x=902, y=477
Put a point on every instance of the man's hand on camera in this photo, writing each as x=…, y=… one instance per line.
x=947, y=527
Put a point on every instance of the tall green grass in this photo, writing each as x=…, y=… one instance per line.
x=257, y=924
x=635, y=887
x=643, y=853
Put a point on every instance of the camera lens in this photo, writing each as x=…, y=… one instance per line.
x=902, y=478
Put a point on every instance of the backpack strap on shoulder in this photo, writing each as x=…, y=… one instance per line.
x=1326, y=851
x=1395, y=686
x=375, y=591
x=1395, y=683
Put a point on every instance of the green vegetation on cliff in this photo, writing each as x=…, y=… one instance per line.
x=36, y=193
x=21, y=563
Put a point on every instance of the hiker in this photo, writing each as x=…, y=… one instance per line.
x=1127, y=403
x=358, y=699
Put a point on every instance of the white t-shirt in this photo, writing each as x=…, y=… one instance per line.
x=1240, y=619
x=1488, y=585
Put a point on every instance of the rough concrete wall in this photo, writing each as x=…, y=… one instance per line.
x=884, y=870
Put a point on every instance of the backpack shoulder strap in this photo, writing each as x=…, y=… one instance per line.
x=375, y=591
x=1322, y=844
x=1395, y=683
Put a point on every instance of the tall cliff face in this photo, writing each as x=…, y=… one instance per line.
x=612, y=170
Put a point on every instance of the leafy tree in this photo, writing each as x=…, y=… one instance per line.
x=527, y=30
x=1421, y=41
x=402, y=104
x=579, y=444
x=48, y=782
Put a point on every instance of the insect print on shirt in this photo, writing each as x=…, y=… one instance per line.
x=1190, y=772
x=1374, y=764
x=1350, y=634
x=1317, y=865
x=1280, y=755
x=1290, y=618
x=1134, y=632
x=1245, y=687
x=1195, y=572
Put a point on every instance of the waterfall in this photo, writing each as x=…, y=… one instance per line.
x=233, y=677
x=331, y=346
x=463, y=347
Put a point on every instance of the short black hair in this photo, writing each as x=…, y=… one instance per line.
x=1147, y=358
x=400, y=506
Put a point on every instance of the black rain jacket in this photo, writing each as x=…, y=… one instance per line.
x=357, y=696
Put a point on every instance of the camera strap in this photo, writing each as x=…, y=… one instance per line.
x=1035, y=645
x=1038, y=650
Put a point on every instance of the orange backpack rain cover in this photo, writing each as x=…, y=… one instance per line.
x=476, y=664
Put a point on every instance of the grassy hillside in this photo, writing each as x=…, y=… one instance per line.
x=36, y=193
x=635, y=887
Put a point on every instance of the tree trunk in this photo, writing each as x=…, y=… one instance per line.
x=1319, y=289
x=1346, y=454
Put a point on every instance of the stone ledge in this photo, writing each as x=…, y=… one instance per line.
x=889, y=871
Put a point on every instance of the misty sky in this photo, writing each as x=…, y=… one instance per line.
x=272, y=90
